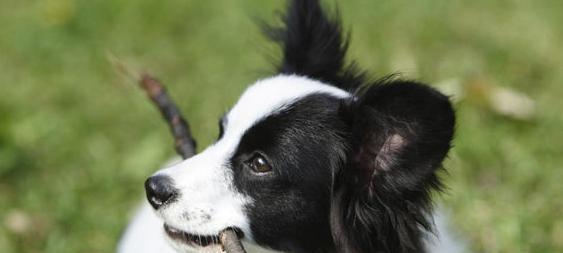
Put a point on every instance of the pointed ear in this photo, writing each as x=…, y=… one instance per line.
x=314, y=45
x=400, y=133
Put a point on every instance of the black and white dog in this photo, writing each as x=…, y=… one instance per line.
x=314, y=159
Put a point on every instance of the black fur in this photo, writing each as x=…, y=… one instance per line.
x=304, y=144
x=313, y=45
x=400, y=134
x=350, y=176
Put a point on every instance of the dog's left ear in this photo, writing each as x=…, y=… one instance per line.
x=400, y=134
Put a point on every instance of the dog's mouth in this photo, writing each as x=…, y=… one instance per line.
x=191, y=239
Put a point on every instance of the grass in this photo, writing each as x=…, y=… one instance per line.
x=77, y=141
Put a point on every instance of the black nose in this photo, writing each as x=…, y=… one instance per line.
x=159, y=190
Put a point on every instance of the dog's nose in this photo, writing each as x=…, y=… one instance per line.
x=159, y=190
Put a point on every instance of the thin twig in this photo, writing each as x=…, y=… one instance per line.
x=184, y=142
x=230, y=241
x=185, y=145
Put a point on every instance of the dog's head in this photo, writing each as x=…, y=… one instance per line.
x=308, y=162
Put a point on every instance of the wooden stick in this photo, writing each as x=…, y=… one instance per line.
x=230, y=241
x=185, y=144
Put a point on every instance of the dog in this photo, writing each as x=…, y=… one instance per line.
x=317, y=158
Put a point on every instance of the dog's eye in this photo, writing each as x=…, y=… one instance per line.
x=259, y=164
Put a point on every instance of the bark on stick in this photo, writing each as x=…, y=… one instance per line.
x=185, y=144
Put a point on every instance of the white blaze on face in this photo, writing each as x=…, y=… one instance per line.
x=208, y=201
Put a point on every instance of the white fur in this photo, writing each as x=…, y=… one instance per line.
x=268, y=96
x=145, y=235
x=208, y=202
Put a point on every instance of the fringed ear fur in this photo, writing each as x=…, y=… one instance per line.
x=400, y=133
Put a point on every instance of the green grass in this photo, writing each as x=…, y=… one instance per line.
x=77, y=141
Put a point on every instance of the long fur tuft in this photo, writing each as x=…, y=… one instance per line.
x=313, y=45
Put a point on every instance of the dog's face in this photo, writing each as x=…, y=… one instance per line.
x=302, y=166
x=269, y=174
x=305, y=166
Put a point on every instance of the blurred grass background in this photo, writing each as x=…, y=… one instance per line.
x=77, y=141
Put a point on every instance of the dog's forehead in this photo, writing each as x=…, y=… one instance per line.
x=268, y=96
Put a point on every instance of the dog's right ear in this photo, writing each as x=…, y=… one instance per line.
x=400, y=133
x=313, y=45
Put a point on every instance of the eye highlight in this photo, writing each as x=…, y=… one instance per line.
x=259, y=164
